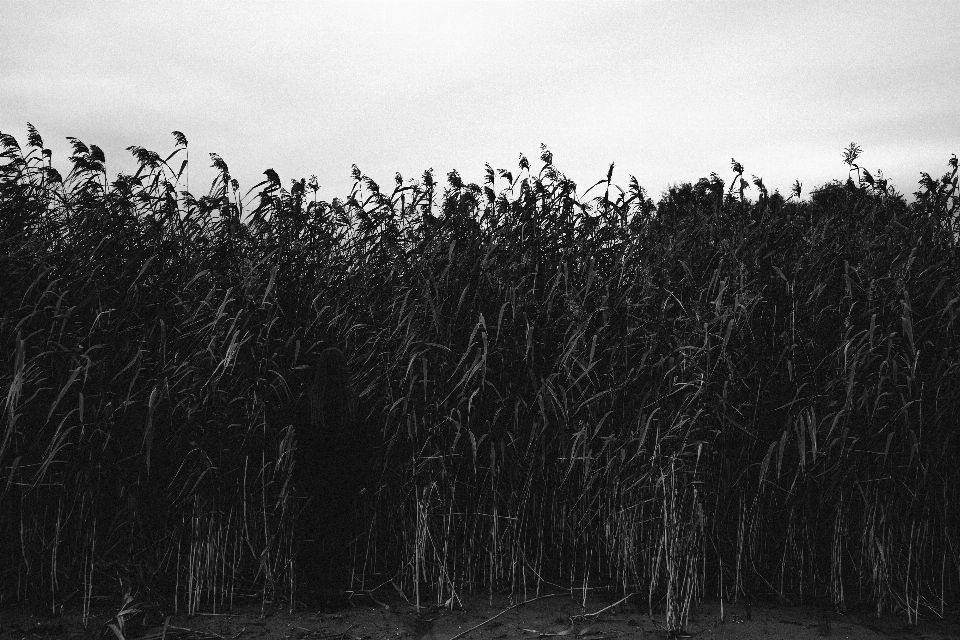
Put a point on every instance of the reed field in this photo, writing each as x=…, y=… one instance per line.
x=723, y=394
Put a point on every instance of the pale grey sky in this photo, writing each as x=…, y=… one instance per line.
x=670, y=91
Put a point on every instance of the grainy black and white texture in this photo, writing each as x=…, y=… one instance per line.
x=327, y=471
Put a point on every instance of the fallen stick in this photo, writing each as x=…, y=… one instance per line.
x=519, y=604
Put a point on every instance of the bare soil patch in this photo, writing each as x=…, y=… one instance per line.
x=478, y=618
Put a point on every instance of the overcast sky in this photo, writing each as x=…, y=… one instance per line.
x=670, y=91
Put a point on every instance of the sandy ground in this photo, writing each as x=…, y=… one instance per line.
x=479, y=618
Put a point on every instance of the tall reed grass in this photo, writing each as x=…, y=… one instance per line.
x=725, y=393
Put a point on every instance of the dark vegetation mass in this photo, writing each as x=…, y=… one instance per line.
x=723, y=393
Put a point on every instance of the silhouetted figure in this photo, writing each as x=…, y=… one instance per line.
x=328, y=472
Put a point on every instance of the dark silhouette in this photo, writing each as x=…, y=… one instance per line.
x=327, y=471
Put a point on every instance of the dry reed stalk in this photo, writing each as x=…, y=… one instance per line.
x=576, y=388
